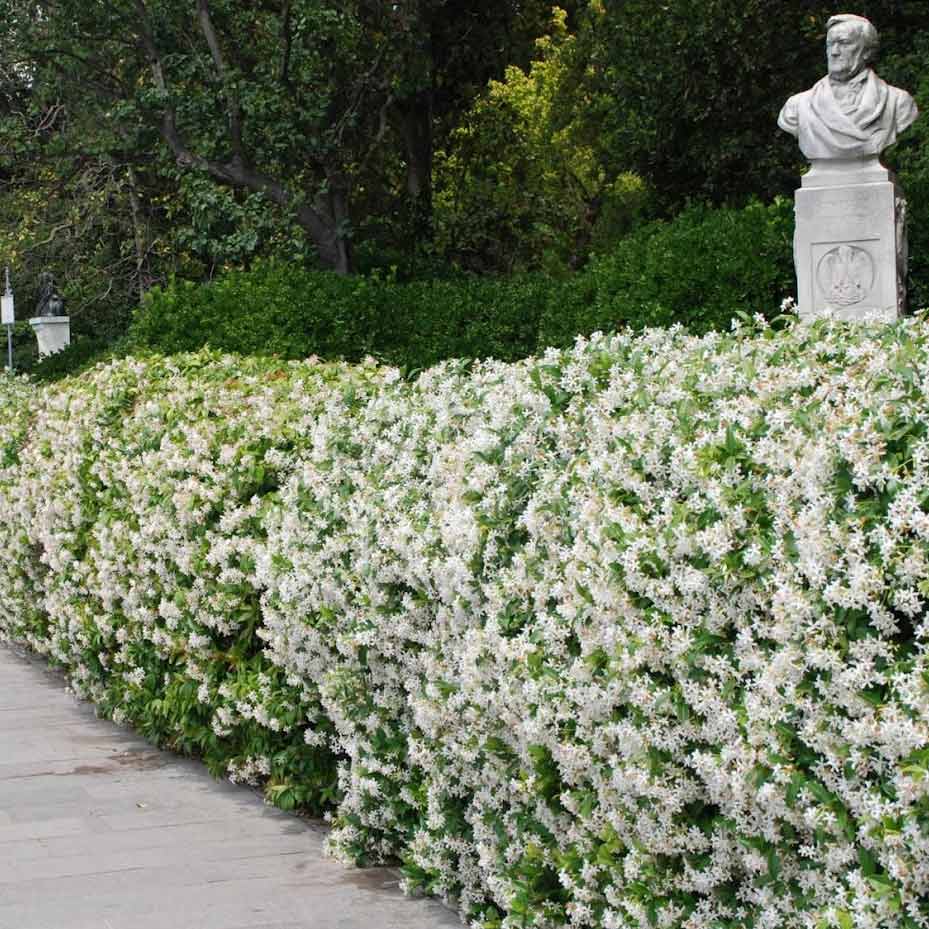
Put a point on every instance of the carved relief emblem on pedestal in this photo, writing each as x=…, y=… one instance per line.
x=845, y=275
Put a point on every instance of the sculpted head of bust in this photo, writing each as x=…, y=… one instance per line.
x=851, y=45
x=851, y=113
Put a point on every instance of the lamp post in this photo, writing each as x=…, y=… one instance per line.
x=7, y=317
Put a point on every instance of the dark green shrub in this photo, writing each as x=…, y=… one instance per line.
x=79, y=355
x=294, y=313
x=251, y=312
x=700, y=269
x=910, y=159
x=469, y=318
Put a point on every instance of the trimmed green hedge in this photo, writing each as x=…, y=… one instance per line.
x=699, y=270
x=81, y=354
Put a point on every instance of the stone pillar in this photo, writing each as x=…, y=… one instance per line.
x=52, y=332
x=850, y=241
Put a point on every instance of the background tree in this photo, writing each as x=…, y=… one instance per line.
x=449, y=53
x=697, y=88
x=141, y=139
x=310, y=104
x=521, y=182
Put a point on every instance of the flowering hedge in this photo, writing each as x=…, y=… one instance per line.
x=627, y=635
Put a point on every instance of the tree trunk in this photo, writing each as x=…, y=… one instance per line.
x=335, y=247
x=139, y=233
x=414, y=119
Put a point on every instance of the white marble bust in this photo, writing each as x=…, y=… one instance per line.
x=851, y=113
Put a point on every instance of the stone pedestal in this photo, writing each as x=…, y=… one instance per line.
x=53, y=333
x=850, y=242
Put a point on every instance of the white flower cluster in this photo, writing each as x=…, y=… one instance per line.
x=253, y=770
x=630, y=635
x=136, y=496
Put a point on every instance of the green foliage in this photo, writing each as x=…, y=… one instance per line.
x=141, y=140
x=76, y=222
x=700, y=269
x=294, y=313
x=700, y=87
x=76, y=357
x=910, y=158
x=521, y=183
x=696, y=88
x=417, y=133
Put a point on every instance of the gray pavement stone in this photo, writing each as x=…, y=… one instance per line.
x=100, y=830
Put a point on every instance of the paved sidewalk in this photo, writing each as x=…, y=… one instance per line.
x=99, y=830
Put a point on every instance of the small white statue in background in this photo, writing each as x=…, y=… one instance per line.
x=50, y=302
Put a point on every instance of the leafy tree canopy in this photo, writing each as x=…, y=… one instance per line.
x=696, y=88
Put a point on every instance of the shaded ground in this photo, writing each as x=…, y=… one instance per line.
x=99, y=830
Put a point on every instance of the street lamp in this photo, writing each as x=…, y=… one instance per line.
x=7, y=317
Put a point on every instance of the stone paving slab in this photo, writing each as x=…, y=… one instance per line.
x=100, y=830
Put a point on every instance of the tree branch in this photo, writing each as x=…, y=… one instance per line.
x=237, y=172
x=106, y=80
x=287, y=37
x=168, y=121
x=233, y=110
x=51, y=236
x=359, y=93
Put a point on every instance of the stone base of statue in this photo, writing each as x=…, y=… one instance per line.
x=52, y=332
x=850, y=242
